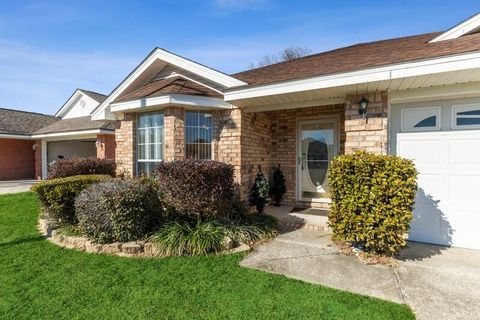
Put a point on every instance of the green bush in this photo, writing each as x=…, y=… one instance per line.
x=119, y=210
x=259, y=193
x=57, y=196
x=372, y=200
x=195, y=237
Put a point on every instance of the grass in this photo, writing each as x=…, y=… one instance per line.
x=39, y=280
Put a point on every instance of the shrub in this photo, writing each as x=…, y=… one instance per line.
x=192, y=237
x=197, y=187
x=259, y=194
x=119, y=210
x=278, y=188
x=81, y=166
x=372, y=200
x=57, y=196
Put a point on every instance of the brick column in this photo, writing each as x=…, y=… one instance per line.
x=125, y=145
x=106, y=146
x=368, y=134
x=174, y=122
x=38, y=160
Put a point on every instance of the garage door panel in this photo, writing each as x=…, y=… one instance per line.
x=465, y=152
x=447, y=208
x=423, y=151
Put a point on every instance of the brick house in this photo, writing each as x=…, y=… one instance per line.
x=30, y=141
x=416, y=96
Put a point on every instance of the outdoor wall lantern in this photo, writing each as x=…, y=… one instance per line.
x=363, y=107
x=34, y=147
x=98, y=143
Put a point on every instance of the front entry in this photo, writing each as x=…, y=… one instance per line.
x=317, y=144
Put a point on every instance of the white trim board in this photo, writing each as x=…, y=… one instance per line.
x=386, y=73
x=100, y=113
x=470, y=25
x=296, y=105
x=176, y=99
x=73, y=133
x=468, y=90
x=15, y=136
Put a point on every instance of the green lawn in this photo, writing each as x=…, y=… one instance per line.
x=39, y=280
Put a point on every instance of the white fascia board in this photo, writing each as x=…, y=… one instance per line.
x=460, y=29
x=176, y=99
x=225, y=80
x=68, y=103
x=396, y=71
x=72, y=133
x=467, y=90
x=15, y=136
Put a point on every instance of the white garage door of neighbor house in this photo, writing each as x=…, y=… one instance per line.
x=447, y=207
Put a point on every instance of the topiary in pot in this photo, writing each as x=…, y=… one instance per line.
x=259, y=194
x=278, y=188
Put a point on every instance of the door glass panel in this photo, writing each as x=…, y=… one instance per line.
x=317, y=149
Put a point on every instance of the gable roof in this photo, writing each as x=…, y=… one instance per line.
x=168, y=58
x=470, y=25
x=75, y=124
x=99, y=97
x=360, y=56
x=172, y=85
x=15, y=122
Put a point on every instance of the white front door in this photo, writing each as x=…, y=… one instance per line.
x=317, y=144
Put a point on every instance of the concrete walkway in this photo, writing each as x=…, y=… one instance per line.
x=437, y=282
x=16, y=186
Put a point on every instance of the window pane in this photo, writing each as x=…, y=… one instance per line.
x=149, y=141
x=192, y=119
x=198, y=135
x=469, y=113
x=141, y=152
x=468, y=121
x=141, y=136
x=427, y=122
x=146, y=168
x=191, y=135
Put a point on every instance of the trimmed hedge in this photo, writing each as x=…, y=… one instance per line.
x=197, y=187
x=57, y=196
x=119, y=210
x=80, y=166
x=372, y=200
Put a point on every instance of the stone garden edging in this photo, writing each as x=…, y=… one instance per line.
x=141, y=249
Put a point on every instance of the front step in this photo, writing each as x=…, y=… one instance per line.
x=312, y=219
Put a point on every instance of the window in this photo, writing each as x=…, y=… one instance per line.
x=149, y=141
x=421, y=119
x=198, y=135
x=466, y=116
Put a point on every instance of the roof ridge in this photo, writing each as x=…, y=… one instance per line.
x=336, y=49
x=30, y=112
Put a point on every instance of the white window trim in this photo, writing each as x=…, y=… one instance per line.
x=137, y=144
x=454, y=116
x=438, y=122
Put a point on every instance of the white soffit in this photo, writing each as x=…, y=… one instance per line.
x=175, y=99
x=470, y=25
x=101, y=113
x=469, y=90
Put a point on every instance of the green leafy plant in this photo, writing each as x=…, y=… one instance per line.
x=192, y=237
x=57, y=196
x=119, y=210
x=278, y=187
x=259, y=193
x=372, y=200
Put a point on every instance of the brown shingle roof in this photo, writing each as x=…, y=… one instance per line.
x=174, y=85
x=94, y=95
x=17, y=122
x=76, y=124
x=361, y=56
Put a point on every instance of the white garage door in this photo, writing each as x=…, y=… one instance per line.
x=447, y=208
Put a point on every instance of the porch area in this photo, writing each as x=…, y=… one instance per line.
x=303, y=138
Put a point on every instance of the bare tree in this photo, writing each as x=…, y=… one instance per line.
x=287, y=54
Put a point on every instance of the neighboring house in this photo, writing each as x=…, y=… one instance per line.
x=31, y=141
x=17, y=148
x=417, y=97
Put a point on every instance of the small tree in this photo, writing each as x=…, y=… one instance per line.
x=259, y=194
x=278, y=188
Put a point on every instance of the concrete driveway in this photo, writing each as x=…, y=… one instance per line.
x=437, y=282
x=16, y=186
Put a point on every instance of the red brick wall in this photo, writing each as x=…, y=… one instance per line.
x=17, y=160
x=106, y=146
x=174, y=121
x=125, y=145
